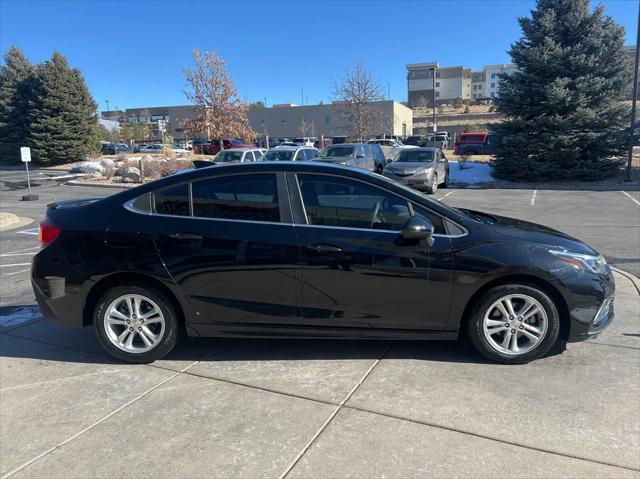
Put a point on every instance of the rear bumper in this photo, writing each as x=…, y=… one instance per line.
x=65, y=309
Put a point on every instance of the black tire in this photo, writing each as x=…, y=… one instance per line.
x=433, y=187
x=165, y=343
x=445, y=183
x=476, y=318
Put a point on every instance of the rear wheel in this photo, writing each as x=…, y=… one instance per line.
x=433, y=187
x=514, y=324
x=135, y=323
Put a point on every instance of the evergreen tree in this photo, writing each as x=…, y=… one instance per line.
x=62, y=116
x=564, y=119
x=16, y=85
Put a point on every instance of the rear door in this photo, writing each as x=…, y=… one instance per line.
x=232, y=248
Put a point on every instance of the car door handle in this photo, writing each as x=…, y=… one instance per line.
x=325, y=248
x=185, y=236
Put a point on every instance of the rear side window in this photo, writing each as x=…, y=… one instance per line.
x=248, y=156
x=172, y=201
x=241, y=197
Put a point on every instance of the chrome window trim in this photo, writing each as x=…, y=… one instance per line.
x=409, y=202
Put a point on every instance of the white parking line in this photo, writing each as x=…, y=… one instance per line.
x=32, y=231
x=631, y=197
x=450, y=193
x=25, y=250
x=18, y=254
x=13, y=273
x=16, y=264
x=533, y=198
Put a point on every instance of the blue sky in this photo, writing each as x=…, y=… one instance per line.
x=133, y=52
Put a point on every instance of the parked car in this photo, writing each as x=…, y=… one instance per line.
x=326, y=143
x=441, y=141
x=273, y=142
x=223, y=251
x=239, y=155
x=336, y=140
x=420, y=168
x=114, y=148
x=213, y=147
x=389, y=147
x=306, y=140
x=357, y=155
x=481, y=143
x=152, y=149
x=416, y=140
x=290, y=153
x=386, y=142
x=378, y=157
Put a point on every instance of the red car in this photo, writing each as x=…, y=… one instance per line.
x=214, y=146
x=478, y=143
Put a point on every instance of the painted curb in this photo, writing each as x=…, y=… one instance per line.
x=98, y=185
x=634, y=279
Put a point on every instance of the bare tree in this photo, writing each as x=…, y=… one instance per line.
x=221, y=114
x=307, y=128
x=353, y=97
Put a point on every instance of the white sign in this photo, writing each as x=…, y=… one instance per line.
x=162, y=126
x=25, y=154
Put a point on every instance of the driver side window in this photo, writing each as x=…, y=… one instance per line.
x=333, y=201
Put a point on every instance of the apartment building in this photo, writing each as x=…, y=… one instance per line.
x=452, y=83
x=289, y=120
x=173, y=116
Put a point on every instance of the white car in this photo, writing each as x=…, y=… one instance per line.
x=239, y=155
x=290, y=153
x=390, y=147
x=152, y=149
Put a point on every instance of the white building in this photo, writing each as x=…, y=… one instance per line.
x=492, y=77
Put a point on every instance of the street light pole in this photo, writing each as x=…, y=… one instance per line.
x=634, y=100
x=433, y=105
x=107, y=105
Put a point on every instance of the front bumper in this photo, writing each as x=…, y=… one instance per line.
x=591, y=308
x=419, y=182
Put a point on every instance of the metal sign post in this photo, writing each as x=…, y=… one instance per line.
x=25, y=156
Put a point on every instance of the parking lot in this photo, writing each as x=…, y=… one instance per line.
x=276, y=408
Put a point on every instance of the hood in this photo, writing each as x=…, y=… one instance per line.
x=336, y=159
x=409, y=167
x=531, y=232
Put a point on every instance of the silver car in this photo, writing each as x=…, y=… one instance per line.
x=239, y=155
x=420, y=168
x=290, y=153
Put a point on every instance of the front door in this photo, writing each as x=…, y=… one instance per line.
x=358, y=272
x=228, y=249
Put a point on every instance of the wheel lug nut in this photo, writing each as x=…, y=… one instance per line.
x=142, y=321
x=128, y=321
x=521, y=327
x=130, y=329
x=510, y=317
x=139, y=329
x=506, y=325
x=513, y=331
x=520, y=318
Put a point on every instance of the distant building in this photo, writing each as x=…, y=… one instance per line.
x=174, y=116
x=452, y=83
x=288, y=120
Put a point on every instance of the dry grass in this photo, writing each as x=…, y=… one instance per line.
x=477, y=158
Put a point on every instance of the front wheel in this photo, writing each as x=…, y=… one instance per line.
x=514, y=324
x=135, y=323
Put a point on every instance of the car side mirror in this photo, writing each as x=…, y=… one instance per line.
x=359, y=155
x=418, y=228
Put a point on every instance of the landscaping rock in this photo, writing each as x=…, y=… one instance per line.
x=131, y=175
x=88, y=167
x=108, y=163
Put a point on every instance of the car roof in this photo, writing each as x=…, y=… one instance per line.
x=246, y=148
x=423, y=148
x=292, y=147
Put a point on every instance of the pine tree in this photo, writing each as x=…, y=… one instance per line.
x=62, y=117
x=564, y=119
x=16, y=86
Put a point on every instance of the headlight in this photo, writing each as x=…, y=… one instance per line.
x=581, y=261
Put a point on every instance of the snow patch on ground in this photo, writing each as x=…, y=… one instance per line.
x=472, y=173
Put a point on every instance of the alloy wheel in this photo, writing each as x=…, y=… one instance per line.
x=134, y=323
x=515, y=324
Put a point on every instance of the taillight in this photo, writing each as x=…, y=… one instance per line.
x=48, y=232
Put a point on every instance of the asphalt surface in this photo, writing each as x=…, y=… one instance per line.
x=323, y=409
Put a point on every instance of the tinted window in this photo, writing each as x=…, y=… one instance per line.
x=299, y=156
x=277, y=155
x=241, y=197
x=310, y=154
x=142, y=203
x=172, y=201
x=333, y=201
x=337, y=152
x=228, y=155
x=436, y=221
x=248, y=156
x=414, y=156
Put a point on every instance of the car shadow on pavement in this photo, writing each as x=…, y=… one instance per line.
x=43, y=340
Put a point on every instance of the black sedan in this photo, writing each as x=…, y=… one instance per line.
x=311, y=250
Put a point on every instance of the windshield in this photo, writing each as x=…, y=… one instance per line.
x=277, y=155
x=412, y=156
x=226, y=156
x=337, y=152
